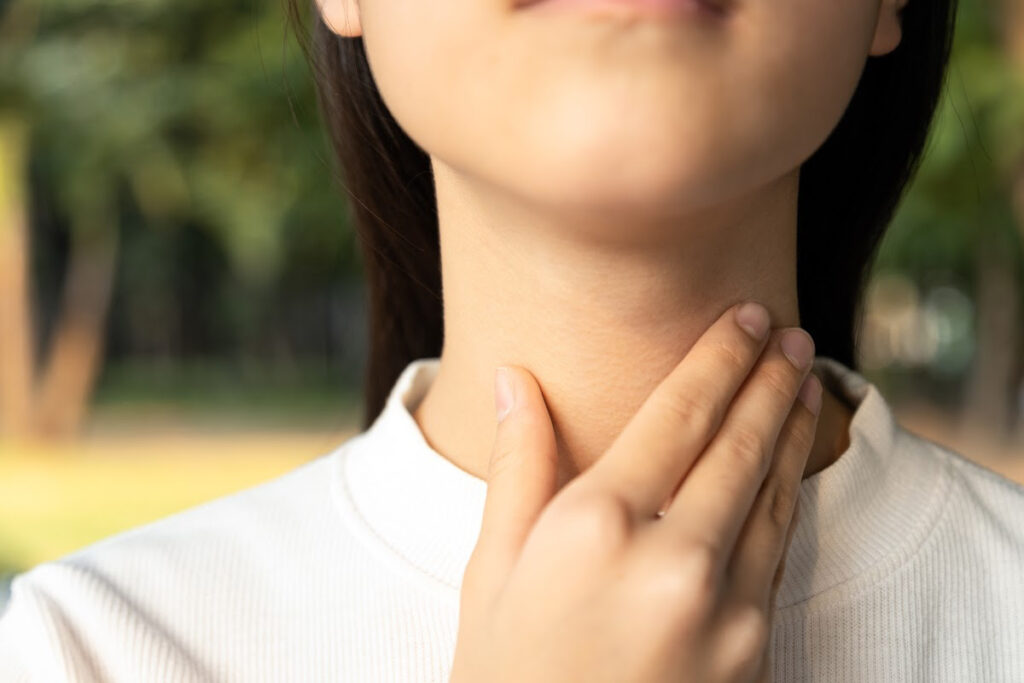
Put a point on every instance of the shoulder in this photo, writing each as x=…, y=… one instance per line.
x=992, y=505
x=988, y=499
x=980, y=526
x=244, y=521
x=161, y=583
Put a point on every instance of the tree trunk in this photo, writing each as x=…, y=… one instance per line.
x=76, y=348
x=991, y=391
x=1016, y=378
x=16, y=329
x=1013, y=40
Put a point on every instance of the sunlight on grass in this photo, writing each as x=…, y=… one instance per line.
x=56, y=499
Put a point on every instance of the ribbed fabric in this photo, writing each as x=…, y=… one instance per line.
x=907, y=565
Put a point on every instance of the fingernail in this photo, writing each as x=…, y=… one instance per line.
x=798, y=347
x=504, y=396
x=810, y=393
x=753, y=317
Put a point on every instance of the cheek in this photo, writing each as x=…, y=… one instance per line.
x=429, y=60
x=800, y=75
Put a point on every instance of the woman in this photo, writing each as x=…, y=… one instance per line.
x=599, y=188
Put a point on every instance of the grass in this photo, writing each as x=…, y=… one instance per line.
x=164, y=437
x=55, y=499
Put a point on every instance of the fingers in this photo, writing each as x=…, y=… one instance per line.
x=780, y=570
x=663, y=439
x=766, y=672
x=521, y=478
x=757, y=563
x=715, y=498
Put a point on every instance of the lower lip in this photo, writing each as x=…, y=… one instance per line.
x=655, y=8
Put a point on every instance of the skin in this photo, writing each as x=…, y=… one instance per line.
x=607, y=185
x=687, y=596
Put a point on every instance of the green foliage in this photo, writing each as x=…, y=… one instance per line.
x=976, y=140
x=187, y=103
x=205, y=112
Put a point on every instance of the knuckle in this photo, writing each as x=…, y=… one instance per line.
x=696, y=410
x=749, y=632
x=502, y=457
x=699, y=565
x=684, y=577
x=780, y=383
x=597, y=519
x=730, y=355
x=801, y=436
x=746, y=444
x=780, y=504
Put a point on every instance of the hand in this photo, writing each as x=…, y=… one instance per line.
x=590, y=583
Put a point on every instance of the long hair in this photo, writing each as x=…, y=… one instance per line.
x=849, y=190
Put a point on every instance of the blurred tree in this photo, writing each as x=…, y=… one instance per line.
x=1013, y=41
x=957, y=218
x=15, y=341
x=168, y=103
x=162, y=114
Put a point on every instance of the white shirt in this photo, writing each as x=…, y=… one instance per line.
x=907, y=565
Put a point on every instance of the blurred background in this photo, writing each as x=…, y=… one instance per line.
x=181, y=304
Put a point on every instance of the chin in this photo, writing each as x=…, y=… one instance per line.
x=631, y=182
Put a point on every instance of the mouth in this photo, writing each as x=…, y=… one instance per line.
x=661, y=8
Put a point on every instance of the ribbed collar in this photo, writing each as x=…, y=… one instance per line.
x=860, y=517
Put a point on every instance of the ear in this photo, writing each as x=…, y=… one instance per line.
x=889, y=29
x=341, y=17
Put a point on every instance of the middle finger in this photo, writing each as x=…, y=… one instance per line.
x=716, y=496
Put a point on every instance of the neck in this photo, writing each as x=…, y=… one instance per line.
x=598, y=310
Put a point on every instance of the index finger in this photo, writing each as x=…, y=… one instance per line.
x=645, y=463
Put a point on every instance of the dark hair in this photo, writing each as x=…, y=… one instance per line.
x=849, y=190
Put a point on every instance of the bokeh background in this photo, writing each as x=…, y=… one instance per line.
x=181, y=302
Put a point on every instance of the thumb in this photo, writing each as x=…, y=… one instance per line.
x=522, y=470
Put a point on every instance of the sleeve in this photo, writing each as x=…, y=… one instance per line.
x=31, y=649
x=69, y=621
